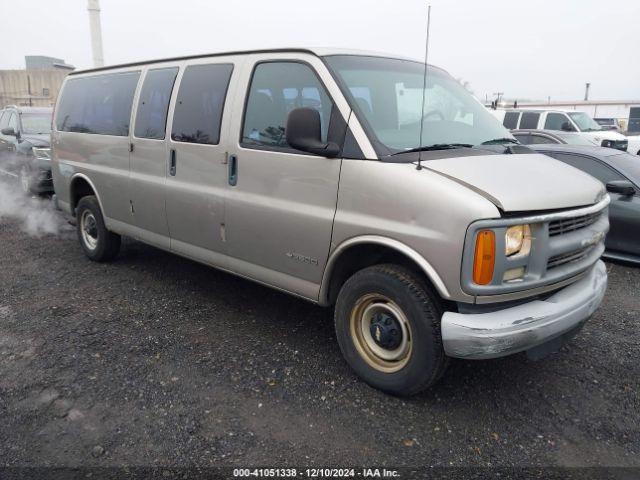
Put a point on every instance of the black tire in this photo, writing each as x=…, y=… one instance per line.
x=107, y=244
x=422, y=310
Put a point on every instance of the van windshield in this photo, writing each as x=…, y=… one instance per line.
x=387, y=93
x=584, y=122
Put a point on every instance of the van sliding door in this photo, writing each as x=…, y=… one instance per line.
x=197, y=174
x=148, y=156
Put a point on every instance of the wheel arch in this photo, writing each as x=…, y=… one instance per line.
x=363, y=251
x=81, y=186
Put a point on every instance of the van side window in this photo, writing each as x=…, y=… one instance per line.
x=529, y=120
x=554, y=121
x=4, y=118
x=511, y=120
x=276, y=89
x=151, y=116
x=198, y=111
x=99, y=104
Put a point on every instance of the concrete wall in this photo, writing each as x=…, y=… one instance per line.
x=16, y=84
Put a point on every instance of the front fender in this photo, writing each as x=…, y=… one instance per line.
x=419, y=260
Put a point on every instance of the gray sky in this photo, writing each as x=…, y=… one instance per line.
x=525, y=49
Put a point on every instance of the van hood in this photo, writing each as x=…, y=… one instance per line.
x=521, y=182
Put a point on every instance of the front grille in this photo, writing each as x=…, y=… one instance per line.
x=564, y=258
x=566, y=225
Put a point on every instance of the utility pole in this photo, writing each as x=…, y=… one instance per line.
x=96, y=32
x=498, y=96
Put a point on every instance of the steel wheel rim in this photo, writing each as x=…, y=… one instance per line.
x=382, y=359
x=89, y=229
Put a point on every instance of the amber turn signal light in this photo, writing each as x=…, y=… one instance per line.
x=485, y=257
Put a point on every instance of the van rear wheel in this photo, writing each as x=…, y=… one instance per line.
x=388, y=327
x=98, y=243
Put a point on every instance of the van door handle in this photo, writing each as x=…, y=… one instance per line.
x=233, y=170
x=172, y=162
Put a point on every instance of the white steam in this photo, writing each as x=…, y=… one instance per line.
x=37, y=216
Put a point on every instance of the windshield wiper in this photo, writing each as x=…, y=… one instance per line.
x=435, y=146
x=497, y=141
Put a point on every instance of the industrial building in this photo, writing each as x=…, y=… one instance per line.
x=37, y=85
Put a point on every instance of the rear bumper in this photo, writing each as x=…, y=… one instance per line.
x=523, y=327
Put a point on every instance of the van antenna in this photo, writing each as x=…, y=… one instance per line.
x=424, y=86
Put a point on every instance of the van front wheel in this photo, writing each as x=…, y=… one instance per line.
x=98, y=243
x=388, y=327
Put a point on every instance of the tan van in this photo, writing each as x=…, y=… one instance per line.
x=322, y=174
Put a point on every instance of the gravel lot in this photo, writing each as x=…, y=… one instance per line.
x=157, y=360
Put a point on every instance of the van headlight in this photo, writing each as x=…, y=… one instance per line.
x=517, y=240
x=42, y=153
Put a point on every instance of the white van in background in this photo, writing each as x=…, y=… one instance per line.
x=561, y=120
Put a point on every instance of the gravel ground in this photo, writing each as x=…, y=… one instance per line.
x=157, y=360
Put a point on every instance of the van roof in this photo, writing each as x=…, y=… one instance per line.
x=317, y=51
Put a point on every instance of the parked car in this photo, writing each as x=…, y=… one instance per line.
x=620, y=172
x=534, y=137
x=25, y=147
x=561, y=121
x=608, y=124
x=306, y=171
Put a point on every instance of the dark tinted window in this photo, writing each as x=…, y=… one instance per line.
x=276, y=89
x=151, y=115
x=198, y=111
x=511, y=120
x=554, y=121
x=99, y=104
x=529, y=120
x=628, y=164
x=590, y=165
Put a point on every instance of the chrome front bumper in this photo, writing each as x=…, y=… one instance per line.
x=523, y=327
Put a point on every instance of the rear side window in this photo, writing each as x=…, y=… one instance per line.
x=100, y=104
x=151, y=115
x=542, y=140
x=198, y=110
x=529, y=120
x=4, y=119
x=276, y=89
x=511, y=120
x=554, y=121
x=523, y=138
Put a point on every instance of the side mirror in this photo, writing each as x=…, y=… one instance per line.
x=622, y=187
x=567, y=127
x=303, y=132
x=9, y=131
